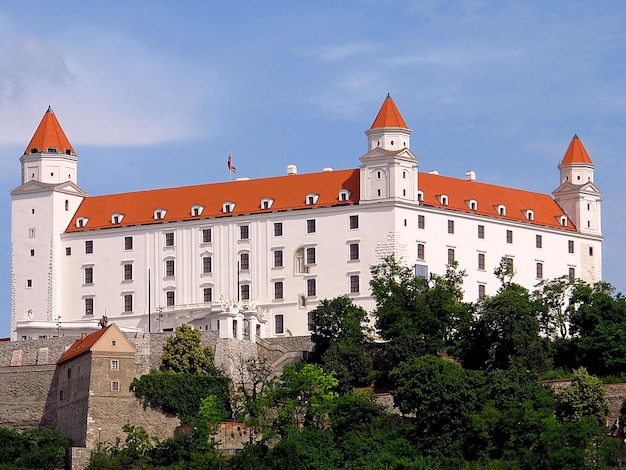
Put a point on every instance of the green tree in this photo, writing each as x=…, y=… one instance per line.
x=304, y=396
x=598, y=325
x=442, y=396
x=551, y=297
x=416, y=316
x=183, y=353
x=181, y=394
x=584, y=397
x=40, y=448
x=506, y=332
x=341, y=342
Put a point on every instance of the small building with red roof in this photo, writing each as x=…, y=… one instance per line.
x=253, y=257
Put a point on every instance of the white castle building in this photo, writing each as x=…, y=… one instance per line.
x=254, y=257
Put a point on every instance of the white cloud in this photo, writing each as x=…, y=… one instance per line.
x=107, y=88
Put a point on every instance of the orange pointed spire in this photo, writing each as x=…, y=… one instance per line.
x=49, y=135
x=389, y=116
x=576, y=153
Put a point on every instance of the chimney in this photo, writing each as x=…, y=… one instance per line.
x=433, y=172
x=292, y=170
x=328, y=169
x=470, y=175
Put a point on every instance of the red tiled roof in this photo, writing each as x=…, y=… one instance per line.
x=49, y=134
x=83, y=345
x=288, y=193
x=488, y=197
x=388, y=116
x=576, y=152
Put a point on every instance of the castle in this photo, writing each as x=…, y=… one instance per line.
x=252, y=257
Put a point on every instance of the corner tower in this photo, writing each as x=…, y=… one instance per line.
x=49, y=156
x=577, y=194
x=388, y=169
x=42, y=206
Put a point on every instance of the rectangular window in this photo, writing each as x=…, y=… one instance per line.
x=245, y=292
x=206, y=235
x=29, y=283
x=169, y=267
x=481, y=291
x=89, y=246
x=354, y=222
x=354, y=284
x=354, y=251
x=68, y=251
x=450, y=255
x=539, y=270
x=88, y=275
x=570, y=246
x=244, y=261
x=128, y=272
x=170, y=299
x=538, y=241
x=278, y=290
x=128, y=302
x=89, y=306
x=450, y=226
x=572, y=274
x=32, y=252
x=421, y=221
x=128, y=243
x=310, y=255
x=278, y=229
x=115, y=364
x=207, y=294
x=115, y=386
x=207, y=265
x=31, y=233
x=421, y=251
x=421, y=271
x=509, y=236
x=590, y=251
x=244, y=232
x=481, y=231
x=279, y=326
x=481, y=261
x=169, y=239
x=311, y=288
x=509, y=262
x=278, y=258
x=309, y=321
x=310, y=226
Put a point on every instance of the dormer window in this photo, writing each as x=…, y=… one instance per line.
x=81, y=222
x=564, y=221
x=159, y=214
x=530, y=215
x=52, y=150
x=266, y=203
x=344, y=195
x=34, y=150
x=228, y=207
x=312, y=198
x=116, y=218
x=501, y=209
x=420, y=196
x=196, y=210
x=472, y=204
x=443, y=199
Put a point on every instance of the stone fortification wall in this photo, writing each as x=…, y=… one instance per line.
x=34, y=352
x=615, y=394
x=28, y=397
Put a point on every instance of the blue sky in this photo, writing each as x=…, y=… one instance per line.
x=155, y=93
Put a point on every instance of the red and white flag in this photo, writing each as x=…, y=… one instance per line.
x=230, y=164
